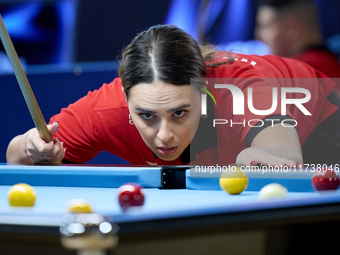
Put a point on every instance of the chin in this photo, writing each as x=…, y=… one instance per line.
x=169, y=158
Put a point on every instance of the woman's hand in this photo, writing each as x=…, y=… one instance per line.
x=41, y=152
x=254, y=156
x=274, y=146
x=31, y=149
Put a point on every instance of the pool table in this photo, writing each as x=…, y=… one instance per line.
x=183, y=213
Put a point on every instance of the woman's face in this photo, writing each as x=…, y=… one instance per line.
x=163, y=114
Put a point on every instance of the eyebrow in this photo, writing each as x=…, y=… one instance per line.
x=169, y=111
x=178, y=108
x=139, y=109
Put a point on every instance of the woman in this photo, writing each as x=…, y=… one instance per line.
x=151, y=114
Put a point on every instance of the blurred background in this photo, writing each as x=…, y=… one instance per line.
x=68, y=47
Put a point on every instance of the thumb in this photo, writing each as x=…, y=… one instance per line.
x=53, y=128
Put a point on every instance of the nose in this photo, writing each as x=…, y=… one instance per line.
x=165, y=133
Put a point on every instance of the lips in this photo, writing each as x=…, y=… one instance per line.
x=166, y=151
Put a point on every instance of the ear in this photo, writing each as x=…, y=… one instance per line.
x=124, y=94
x=203, y=87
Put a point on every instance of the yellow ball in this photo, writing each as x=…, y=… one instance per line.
x=21, y=195
x=233, y=181
x=79, y=206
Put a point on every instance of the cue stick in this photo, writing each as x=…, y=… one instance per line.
x=25, y=87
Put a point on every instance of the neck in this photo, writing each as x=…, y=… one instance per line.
x=306, y=40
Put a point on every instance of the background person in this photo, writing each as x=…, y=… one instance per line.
x=291, y=29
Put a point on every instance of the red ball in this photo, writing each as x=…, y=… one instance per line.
x=130, y=194
x=325, y=179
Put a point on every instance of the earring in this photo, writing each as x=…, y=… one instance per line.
x=130, y=119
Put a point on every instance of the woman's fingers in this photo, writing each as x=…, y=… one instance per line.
x=39, y=151
x=257, y=157
x=53, y=128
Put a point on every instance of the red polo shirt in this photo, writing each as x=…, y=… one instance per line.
x=100, y=120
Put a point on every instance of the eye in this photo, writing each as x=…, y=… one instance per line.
x=180, y=114
x=145, y=116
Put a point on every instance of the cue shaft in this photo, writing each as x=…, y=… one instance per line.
x=25, y=87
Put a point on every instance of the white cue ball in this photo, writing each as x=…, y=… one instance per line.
x=273, y=191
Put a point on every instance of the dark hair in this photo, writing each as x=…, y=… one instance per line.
x=162, y=52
